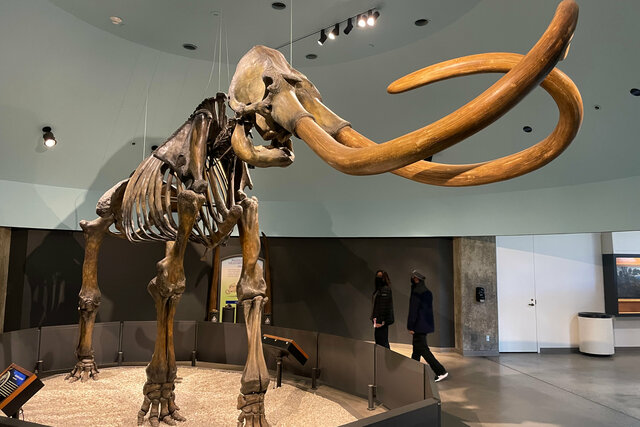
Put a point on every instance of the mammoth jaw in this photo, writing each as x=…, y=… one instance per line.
x=260, y=156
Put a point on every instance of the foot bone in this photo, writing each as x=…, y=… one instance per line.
x=252, y=407
x=84, y=369
x=160, y=398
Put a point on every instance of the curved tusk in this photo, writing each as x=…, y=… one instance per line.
x=521, y=78
x=557, y=84
x=258, y=156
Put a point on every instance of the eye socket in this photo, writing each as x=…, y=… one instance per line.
x=268, y=81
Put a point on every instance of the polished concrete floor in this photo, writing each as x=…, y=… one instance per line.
x=539, y=389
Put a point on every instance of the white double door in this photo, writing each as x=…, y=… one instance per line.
x=517, y=323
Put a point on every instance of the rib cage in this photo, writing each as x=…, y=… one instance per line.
x=149, y=211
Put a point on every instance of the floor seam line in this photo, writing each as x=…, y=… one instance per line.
x=563, y=389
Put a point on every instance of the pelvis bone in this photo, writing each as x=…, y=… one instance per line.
x=280, y=101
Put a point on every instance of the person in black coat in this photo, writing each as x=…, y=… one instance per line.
x=382, y=312
x=420, y=323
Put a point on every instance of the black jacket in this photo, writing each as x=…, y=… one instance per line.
x=383, y=306
x=420, y=318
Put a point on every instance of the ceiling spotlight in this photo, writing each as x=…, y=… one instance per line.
x=421, y=22
x=335, y=32
x=323, y=38
x=189, y=46
x=116, y=20
x=362, y=21
x=635, y=91
x=311, y=56
x=527, y=129
x=372, y=18
x=48, y=139
x=278, y=5
x=349, y=26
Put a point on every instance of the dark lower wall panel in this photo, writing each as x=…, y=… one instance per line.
x=138, y=340
x=307, y=340
x=57, y=347
x=222, y=343
x=184, y=339
x=326, y=284
x=345, y=363
x=106, y=341
x=20, y=347
x=399, y=379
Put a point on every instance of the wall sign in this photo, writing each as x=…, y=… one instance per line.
x=230, y=269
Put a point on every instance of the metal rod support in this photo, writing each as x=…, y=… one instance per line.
x=314, y=378
x=278, y=371
x=371, y=394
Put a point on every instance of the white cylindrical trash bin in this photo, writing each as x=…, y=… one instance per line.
x=596, y=333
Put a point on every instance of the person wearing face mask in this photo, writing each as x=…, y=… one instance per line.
x=382, y=312
x=420, y=323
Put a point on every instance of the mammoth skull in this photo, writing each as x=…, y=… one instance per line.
x=279, y=101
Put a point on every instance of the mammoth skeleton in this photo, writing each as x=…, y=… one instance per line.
x=192, y=187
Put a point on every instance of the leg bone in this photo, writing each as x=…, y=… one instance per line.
x=89, y=298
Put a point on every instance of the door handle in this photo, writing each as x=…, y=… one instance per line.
x=531, y=304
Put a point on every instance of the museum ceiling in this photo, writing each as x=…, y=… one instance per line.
x=64, y=64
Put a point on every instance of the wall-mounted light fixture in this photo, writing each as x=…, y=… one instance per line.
x=48, y=139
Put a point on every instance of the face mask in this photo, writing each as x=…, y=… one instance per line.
x=379, y=281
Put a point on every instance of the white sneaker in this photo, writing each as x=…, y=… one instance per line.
x=441, y=377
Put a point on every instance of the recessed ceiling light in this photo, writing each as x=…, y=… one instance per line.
x=278, y=5
x=527, y=129
x=421, y=22
x=189, y=46
x=311, y=56
x=597, y=107
x=116, y=20
x=635, y=91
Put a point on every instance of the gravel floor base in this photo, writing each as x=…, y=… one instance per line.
x=207, y=397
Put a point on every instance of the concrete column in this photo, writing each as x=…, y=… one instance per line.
x=476, y=323
x=606, y=240
x=5, y=244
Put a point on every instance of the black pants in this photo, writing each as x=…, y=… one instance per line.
x=420, y=348
x=382, y=336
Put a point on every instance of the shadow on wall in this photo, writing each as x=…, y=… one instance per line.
x=52, y=275
x=327, y=284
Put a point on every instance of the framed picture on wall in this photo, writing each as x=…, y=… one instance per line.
x=622, y=284
x=230, y=269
